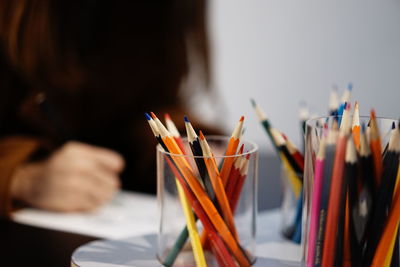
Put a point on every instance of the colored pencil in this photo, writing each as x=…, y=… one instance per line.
x=295, y=153
x=231, y=150
x=233, y=176
x=187, y=211
x=355, y=128
x=265, y=123
x=326, y=183
x=304, y=115
x=174, y=132
x=349, y=173
x=329, y=245
x=291, y=174
x=334, y=101
x=244, y=167
x=376, y=148
x=344, y=101
x=217, y=242
x=217, y=184
x=195, y=146
x=284, y=153
x=316, y=203
x=391, y=229
x=185, y=168
x=384, y=196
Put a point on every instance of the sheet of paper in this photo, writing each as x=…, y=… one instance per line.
x=128, y=214
x=134, y=214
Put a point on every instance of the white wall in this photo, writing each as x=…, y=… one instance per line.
x=281, y=52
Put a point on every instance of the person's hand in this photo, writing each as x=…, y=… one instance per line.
x=76, y=177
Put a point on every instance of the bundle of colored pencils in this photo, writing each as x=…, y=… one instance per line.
x=210, y=192
x=293, y=165
x=355, y=203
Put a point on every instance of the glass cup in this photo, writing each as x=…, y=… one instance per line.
x=173, y=246
x=313, y=251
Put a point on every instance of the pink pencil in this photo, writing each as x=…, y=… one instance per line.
x=316, y=203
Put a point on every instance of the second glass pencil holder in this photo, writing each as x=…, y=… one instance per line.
x=344, y=243
x=198, y=222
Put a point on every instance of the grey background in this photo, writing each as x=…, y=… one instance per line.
x=282, y=52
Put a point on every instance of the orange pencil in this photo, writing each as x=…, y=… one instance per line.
x=220, y=251
x=391, y=229
x=355, y=128
x=217, y=184
x=200, y=194
x=240, y=182
x=376, y=148
x=231, y=150
x=233, y=176
x=329, y=246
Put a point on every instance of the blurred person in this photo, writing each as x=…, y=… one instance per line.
x=75, y=80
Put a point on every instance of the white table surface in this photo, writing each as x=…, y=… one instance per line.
x=272, y=250
x=129, y=224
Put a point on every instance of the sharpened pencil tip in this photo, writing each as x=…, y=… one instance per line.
x=186, y=119
x=241, y=149
x=350, y=86
x=363, y=127
x=241, y=118
x=253, y=103
x=153, y=115
x=167, y=117
x=373, y=115
x=201, y=135
x=393, y=125
x=147, y=116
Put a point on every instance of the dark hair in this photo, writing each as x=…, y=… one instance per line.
x=54, y=42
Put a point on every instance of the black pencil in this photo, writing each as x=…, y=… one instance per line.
x=384, y=196
x=194, y=143
x=350, y=175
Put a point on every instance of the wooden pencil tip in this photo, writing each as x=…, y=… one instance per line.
x=147, y=116
x=241, y=118
x=393, y=125
x=201, y=135
x=186, y=119
x=167, y=117
x=153, y=115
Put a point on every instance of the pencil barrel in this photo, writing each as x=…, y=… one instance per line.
x=220, y=244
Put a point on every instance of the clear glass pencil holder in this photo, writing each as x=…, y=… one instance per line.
x=352, y=222
x=175, y=247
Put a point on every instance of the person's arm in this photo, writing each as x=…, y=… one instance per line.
x=14, y=151
x=75, y=177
